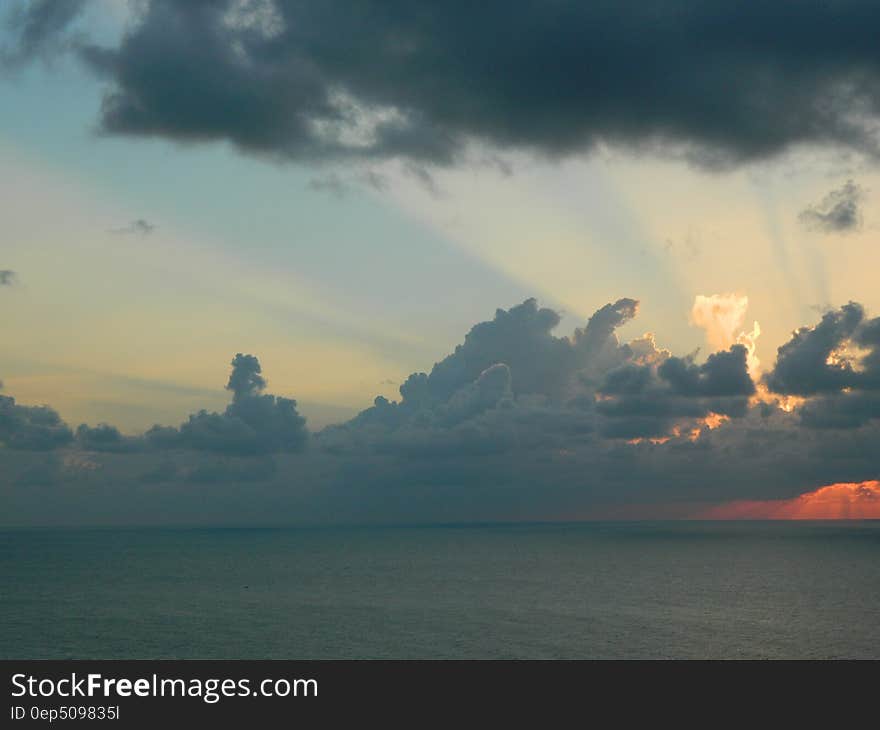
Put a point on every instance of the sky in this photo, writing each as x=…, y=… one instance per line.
x=343, y=191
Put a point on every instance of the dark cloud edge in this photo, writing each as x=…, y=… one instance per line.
x=304, y=81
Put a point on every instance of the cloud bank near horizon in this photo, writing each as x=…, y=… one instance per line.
x=721, y=85
x=516, y=423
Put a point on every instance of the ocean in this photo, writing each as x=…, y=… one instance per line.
x=588, y=590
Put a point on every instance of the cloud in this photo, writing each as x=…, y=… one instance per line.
x=254, y=423
x=37, y=428
x=841, y=410
x=139, y=227
x=512, y=371
x=40, y=30
x=235, y=471
x=489, y=390
x=723, y=374
x=665, y=396
x=838, y=212
x=836, y=366
x=42, y=474
x=163, y=472
x=418, y=81
x=8, y=277
x=518, y=422
x=805, y=365
x=722, y=316
x=330, y=183
x=514, y=355
x=105, y=437
x=245, y=380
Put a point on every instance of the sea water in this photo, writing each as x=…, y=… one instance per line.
x=588, y=590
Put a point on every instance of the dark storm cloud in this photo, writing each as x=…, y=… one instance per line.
x=841, y=410
x=602, y=324
x=516, y=423
x=838, y=362
x=36, y=428
x=838, y=212
x=595, y=421
x=105, y=437
x=8, y=277
x=234, y=471
x=649, y=400
x=38, y=27
x=513, y=356
x=723, y=374
x=254, y=423
x=520, y=337
x=46, y=473
x=245, y=380
x=487, y=391
x=805, y=364
x=161, y=473
x=512, y=375
x=722, y=83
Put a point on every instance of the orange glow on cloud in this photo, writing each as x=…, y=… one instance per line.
x=723, y=316
x=789, y=402
x=842, y=501
x=714, y=420
x=656, y=441
x=786, y=402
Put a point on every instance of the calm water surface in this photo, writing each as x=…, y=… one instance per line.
x=600, y=590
